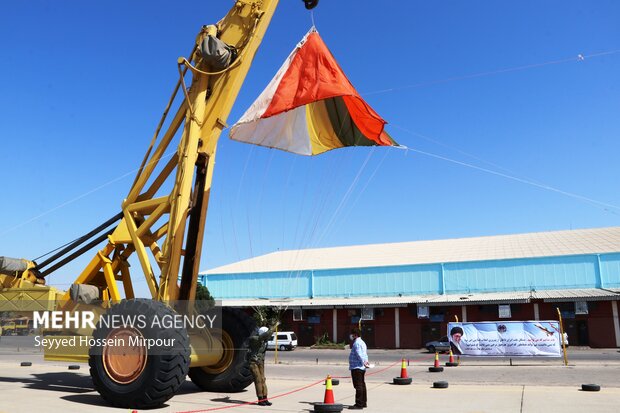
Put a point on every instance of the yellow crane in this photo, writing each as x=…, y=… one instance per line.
x=165, y=232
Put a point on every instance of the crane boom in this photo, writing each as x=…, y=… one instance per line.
x=162, y=222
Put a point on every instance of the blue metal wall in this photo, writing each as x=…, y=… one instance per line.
x=566, y=272
x=610, y=270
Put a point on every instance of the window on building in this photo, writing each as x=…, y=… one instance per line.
x=298, y=314
x=504, y=311
x=368, y=313
x=581, y=307
x=567, y=310
x=437, y=314
x=423, y=311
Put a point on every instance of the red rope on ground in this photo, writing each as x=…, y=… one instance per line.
x=211, y=409
x=254, y=402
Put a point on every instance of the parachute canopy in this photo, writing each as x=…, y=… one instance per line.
x=310, y=107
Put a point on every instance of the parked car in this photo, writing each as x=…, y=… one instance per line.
x=287, y=340
x=440, y=345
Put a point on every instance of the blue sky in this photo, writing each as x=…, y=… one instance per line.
x=83, y=85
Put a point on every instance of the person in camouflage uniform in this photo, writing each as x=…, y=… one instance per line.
x=258, y=346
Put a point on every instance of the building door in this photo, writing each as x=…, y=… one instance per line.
x=368, y=335
x=582, y=333
x=306, y=335
x=430, y=332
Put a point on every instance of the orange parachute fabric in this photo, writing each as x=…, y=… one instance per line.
x=311, y=107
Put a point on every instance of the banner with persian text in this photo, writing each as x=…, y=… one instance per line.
x=506, y=338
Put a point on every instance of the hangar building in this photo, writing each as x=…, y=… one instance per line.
x=407, y=292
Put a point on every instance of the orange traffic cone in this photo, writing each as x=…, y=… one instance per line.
x=436, y=367
x=403, y=370
x=329, y=392
x=404, y=378
x=328, y=404
x=451, y=362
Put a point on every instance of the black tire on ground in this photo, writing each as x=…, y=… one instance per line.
x=335, y=382
x=74, y=367
x=440, y=385
x=163, y=372
x=401, y=381
x=239, y=326
x=435, y=369
x=431, y=349
x=282, y=347
x=328, y=408
x=590, y=387
x=448, y=364
x=25, y=364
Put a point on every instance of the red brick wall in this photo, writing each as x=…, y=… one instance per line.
x=385, y=336
x=380, y=333
x=600, y=324
x=409, y=327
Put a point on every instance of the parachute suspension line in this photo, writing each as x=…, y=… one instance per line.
x=247, y=221
x=300, y=214
x=138, y=171
x=260, y=197
x=578, y=58
x=316, y=240
x=237, y=203
x=222, y=227
x=284, y=195
x=310, y=198
x=324, y=193
x=470, y=155
x=77, y=198
x=322, y=196
x=604, y=205
x=347, y=194
x=372, y=175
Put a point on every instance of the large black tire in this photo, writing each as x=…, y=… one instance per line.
x=431, y=349
x=327, y=408
x=590, y=387
x=435, y=369
x=238, y=326
x=440, y=385
x=401, y=381
x=163, y=372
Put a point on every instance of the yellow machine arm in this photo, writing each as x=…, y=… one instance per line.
x=165, y=231
x=164, y=228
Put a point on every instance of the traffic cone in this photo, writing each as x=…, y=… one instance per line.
x=436, y=367
x=329, y=392
x=328, y=404
x=451, y=362
x=403, y=370
x=404, y=378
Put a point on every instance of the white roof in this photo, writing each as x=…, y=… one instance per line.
x=498, y=247
x=586, y=294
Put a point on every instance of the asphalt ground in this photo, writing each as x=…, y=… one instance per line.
x=295, y=383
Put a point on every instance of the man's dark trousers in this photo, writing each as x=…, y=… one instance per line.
x=360, y=386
